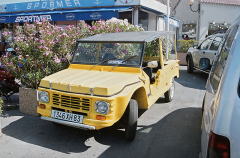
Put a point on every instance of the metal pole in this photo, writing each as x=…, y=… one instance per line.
x=167, y=29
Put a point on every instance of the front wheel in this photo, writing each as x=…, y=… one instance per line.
x=132, y=116
x=189, y=65
x=170, y=93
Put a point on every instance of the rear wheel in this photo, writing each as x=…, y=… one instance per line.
x=189, y=65
x=170, y=93
x=131, y=117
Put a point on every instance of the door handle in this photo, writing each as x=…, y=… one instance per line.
x=203, y=52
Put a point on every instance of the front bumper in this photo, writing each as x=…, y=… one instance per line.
x=76, y=125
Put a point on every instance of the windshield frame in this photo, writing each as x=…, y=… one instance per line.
x=120, y=65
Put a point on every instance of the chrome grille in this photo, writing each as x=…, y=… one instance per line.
x=71, y=102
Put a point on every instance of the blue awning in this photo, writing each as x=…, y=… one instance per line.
x=63, y=15
x=172, y=21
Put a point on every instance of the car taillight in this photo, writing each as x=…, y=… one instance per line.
x=218, y=146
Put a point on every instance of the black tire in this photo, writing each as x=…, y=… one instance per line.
x=169, y=95
x=189, y=65
x=132, y=116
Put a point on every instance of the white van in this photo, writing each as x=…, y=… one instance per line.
x=221, y=103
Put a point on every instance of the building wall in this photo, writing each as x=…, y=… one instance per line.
x=152, y=21
x=217, y=13
x=209, y=13
x=185, y=15
x=161, y=24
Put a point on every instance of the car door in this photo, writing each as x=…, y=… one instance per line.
x=201, y=50
x=212, y=51
x=213, y=83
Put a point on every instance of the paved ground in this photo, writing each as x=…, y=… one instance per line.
x=166, y=130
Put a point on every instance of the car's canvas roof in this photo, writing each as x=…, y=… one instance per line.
x=126, y=37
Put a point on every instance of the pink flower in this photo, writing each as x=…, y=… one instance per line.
x=20, y=57
x=47, y=53
x=125, y=52
x=27, y=56
x=57, y=61
x=93, y=28
x=42, y=41
x=44, y=47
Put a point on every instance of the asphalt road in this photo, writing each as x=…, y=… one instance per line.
x=166, y=130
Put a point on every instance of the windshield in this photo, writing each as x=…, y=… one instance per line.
x=97, y=53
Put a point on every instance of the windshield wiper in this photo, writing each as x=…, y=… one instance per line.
x=102, y=62
x=124, y=61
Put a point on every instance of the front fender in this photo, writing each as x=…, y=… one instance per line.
x=124, y=97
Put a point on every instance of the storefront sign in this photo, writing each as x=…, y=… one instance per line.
x=104, y=15
x=172, y=21
x=95, y=16
x=57, y=4
x=70, y=16
x=32, y=18
x=2, y=19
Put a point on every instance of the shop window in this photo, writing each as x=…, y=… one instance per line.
x=143, y=20
x=217, y=28
x=126, y=15
x=190, y=30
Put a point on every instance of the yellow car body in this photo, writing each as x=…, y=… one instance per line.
x=76, y=90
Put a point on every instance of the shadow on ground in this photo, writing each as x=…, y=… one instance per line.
x=33, y=130
x=196, y=80
x=176, y=135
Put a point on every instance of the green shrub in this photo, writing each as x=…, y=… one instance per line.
x=183, y=45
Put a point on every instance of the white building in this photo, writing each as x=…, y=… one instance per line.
x=211, y=16
x=148, y=14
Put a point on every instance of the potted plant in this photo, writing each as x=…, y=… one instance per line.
x=183, y=46
x=43, y=49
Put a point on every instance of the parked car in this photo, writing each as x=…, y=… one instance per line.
x=107, y=82
x=221, y=104
x=201, y=57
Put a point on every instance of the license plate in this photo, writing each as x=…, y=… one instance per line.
x=67, y=116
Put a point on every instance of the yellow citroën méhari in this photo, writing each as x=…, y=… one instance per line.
x=108, y=80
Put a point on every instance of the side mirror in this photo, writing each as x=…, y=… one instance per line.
x=153, y=64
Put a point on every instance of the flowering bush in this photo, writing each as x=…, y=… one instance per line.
x=43, y=49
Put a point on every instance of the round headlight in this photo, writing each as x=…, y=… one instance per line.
x=44, y=96
x=102, y=107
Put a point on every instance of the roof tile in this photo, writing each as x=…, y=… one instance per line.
x=227, y=2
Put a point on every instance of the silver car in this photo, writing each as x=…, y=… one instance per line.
x=201, y=57
x=221, y=104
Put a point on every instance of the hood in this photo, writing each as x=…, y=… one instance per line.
x=80, y=81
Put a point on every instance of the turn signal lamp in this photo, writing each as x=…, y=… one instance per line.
x=218, y=147
x=42, y=106
x=99, y=117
